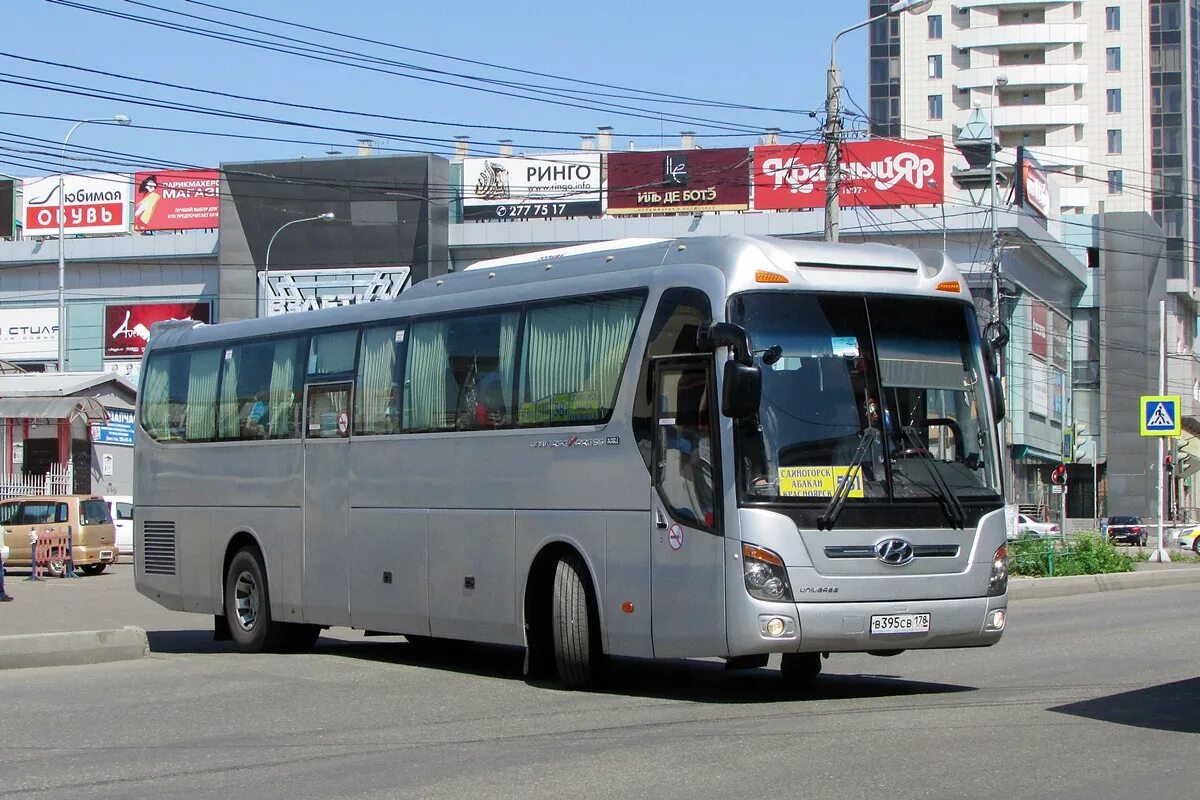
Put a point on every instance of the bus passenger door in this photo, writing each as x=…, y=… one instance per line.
x=686, y=547
x=327, y=426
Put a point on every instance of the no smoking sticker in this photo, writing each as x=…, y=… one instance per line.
x=343, y=423
x=675, y=538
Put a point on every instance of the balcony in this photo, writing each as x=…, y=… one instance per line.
x=1023, y=75
x=1047, y=33
x=1040, y=116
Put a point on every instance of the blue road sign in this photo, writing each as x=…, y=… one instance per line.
x=1160, y=415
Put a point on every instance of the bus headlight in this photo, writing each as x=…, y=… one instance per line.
x=765, y=574
x=998, y=581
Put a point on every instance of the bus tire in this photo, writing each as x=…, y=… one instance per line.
x=576, y=628
x=248, y=605
x=800, y=669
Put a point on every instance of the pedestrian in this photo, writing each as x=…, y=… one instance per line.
x=4, y=598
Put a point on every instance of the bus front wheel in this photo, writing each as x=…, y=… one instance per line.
x=577, y=651
x=247, y=606
x=800, y=669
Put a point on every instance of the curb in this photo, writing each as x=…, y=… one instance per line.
x=69, y=649
x=1036, y=588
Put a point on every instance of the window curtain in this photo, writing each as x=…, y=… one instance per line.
x=230, y=424
x=428, y=372
x=200, y=424
x=282, y=390
x=578, y=347
x=155, y=405
x=376, y=377
x=508, y=346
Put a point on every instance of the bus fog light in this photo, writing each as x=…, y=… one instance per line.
x=996, y=620
x=776, y=627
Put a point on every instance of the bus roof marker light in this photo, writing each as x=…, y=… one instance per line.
x=439, y=283
x=682, y=247
x=949, y=286
x=764, y=276
x=491, y=275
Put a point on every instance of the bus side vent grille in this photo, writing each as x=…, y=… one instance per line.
x=158, y=547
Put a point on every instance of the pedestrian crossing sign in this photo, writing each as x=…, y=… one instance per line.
x=1160, y=415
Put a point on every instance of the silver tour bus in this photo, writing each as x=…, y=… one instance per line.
x=713, y=446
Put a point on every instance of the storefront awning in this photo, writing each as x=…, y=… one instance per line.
x=52, y=408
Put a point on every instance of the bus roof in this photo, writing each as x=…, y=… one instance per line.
x=744, y=260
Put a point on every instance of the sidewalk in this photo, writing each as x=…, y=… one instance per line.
x=103, y=618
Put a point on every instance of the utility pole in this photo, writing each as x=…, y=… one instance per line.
x=1160, y=553
x=833, y=150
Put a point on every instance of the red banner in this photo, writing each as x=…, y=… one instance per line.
x=127, y=328
x=1039, y=319
x=878, y=173
x=673, y=181
x=174, y=200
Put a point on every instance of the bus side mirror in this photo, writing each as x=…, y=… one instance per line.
x=998, y=406
x=743, y=390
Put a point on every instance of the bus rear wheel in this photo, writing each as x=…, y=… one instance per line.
x=576, y=627
x=248, y=607
x=800, y=669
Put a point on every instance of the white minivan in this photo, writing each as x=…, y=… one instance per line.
x=120, y=508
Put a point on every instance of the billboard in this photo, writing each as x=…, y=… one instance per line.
x=1033, y=185
x=1039, y=330
x=127, y=327
x=673, y=181
x=878, y=173
x=7, y=192
x=118, y=430
x=176, y=199
x=29, y=333
x=93, y=204
x=532, y=188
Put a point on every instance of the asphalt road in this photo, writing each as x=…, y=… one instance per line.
x=1094, y=696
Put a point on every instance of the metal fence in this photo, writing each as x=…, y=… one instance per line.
x=1085, y=553
x=59, y=480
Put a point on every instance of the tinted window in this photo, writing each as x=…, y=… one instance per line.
x=329, y=410
x=1123, y=520
x=123, y=510
x=572, y=357
x=94, y=512
x=179, y=395
x=38, y=512
x=332, y=353
x=460, y=373
x=8, y=513
x=259, y=391
x=377, y=396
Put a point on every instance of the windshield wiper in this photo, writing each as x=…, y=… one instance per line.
x=951, y=505
x=836, y=503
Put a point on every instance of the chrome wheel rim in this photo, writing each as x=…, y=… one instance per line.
x=245, y=598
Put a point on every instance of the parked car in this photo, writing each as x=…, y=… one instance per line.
x=120, y=508
x=1188, y=539
x=1027, y=526
x=1127, y=530
x=93, y=537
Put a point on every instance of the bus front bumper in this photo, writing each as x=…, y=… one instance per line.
x=847, y=627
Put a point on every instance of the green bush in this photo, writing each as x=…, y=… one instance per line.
x=1083, y=554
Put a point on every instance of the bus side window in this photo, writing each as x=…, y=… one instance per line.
x=681, y=313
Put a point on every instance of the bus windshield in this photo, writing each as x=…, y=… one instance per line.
x=888, y=390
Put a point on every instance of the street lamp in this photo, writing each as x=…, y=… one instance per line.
x=328, y=216
x=833, y=122
x=1093, y=441
x=118, y=119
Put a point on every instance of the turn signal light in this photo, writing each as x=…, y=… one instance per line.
x=762, y=276
x=949, y=286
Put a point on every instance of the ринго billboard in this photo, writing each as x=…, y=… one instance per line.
x=91, y=203
x=175, y=200
x=532, y=188
x=878, y=173
x=672, y=181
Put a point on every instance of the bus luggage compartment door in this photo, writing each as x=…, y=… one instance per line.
x=686, y=548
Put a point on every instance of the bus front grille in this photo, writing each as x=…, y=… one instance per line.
x=158, y=547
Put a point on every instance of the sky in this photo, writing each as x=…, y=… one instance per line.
x=68, y=60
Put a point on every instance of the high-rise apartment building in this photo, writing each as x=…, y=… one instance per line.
x=1104, y=93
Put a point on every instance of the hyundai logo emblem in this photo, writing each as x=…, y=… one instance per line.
x=894, y=552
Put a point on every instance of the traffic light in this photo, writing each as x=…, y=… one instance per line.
x=1059, y=475
x=1184, y=460
x=1169, y=464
